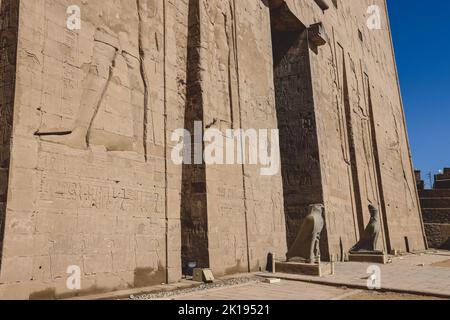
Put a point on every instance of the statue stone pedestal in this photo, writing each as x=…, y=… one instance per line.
x=309, y=269
x=303, y=256
x=365, y=249
x=371, y=257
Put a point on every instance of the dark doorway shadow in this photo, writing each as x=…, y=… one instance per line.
x=300, y=165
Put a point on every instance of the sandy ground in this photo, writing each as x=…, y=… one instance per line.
x=368, y=295
x=442, y=264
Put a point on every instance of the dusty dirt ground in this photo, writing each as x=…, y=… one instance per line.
x=442, y=264
x=388, y=296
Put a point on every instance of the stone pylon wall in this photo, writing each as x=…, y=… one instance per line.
x=8, y=47
x=89, y=177
x=92, y=181
x=106, y=197
x=362, y=137
x=233, y=208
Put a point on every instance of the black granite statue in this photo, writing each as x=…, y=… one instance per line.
x=369, y=238
x=306, y=247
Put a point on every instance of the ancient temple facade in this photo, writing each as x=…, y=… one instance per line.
x=435, y=204
x=92, y=92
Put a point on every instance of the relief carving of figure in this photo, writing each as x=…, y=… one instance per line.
x=115, y=68
x=306, y=247
x=220, y=35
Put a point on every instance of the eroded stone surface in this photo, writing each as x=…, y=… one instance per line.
x=358, y=151
x=435, y=204
x=91, y=179
x=8, y=50
x=90, y=184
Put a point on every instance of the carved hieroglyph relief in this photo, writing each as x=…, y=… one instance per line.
x=399, y=148
x=8, y=17
x=365, y=115
x=8, y=49
x=110, y=96
x=219, y=35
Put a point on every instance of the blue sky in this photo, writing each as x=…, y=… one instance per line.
x=421, y=33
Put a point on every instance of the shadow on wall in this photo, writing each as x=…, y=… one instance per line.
x=143, y=277
x=194, y=223
x=446, y=245
x=9, y=12
x=296, y=119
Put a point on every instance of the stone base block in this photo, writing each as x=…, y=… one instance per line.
x=272, y=280
x=372, y=258
x=203, y=275
x=318, y=270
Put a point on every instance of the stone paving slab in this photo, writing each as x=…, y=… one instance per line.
x=170, y=289
x=285, y=290
x=415, y=274
x=420, y=275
